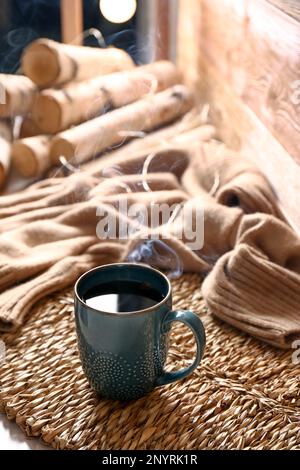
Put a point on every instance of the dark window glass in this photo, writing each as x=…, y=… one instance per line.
x=22, y=21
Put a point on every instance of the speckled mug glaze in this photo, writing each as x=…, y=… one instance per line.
x=123, y=354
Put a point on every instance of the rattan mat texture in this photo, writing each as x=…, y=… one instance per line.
x=245, y=394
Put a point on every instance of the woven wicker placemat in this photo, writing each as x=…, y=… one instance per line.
x=244, y=395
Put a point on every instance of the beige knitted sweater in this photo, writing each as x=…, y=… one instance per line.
x=250, y=260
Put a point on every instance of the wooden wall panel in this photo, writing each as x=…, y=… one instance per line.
x=72, y=21
x=188, y=40
x=256, y=48
x=242, y=57
x=241, y=129
x=163, y=9
x=154, y=29
x=291, y=7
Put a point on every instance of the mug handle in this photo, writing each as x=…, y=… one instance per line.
x=195, y=324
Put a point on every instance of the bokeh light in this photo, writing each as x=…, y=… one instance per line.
x=118, y=11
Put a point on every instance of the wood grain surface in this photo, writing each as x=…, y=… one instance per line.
x=72, y=21
x=243, y=58
x=291, y=7
x=256, y=48
x=241, y=129
x=188, y=41
x=162, y=10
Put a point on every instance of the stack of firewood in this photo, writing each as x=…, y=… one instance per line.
x=76, y=102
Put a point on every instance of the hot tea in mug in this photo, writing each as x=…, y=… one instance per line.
x=123, y=316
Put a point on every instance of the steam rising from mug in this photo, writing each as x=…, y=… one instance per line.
x=157, y=253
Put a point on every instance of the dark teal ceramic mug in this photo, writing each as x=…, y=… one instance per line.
x=123, y=318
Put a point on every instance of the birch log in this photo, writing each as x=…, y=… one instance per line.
x=49, y=63
x=56, y=110
x=17, y=94
x=29, y=128
x=114, y=128
x=196, y=137
x=31, y=156
x=6, y=136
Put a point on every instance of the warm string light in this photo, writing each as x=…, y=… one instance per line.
x=118, y=11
